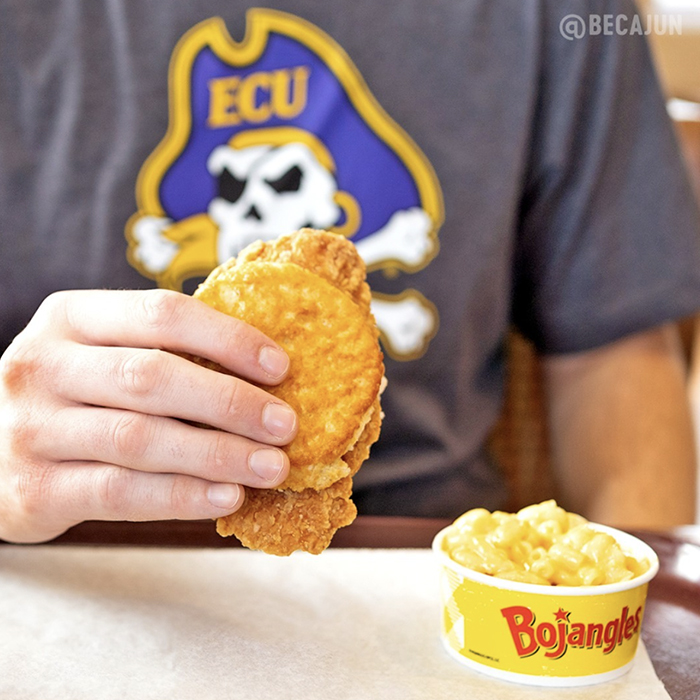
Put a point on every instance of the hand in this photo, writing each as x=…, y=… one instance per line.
x=92, y=404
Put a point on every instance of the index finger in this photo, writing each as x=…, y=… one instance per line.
x=168, y=320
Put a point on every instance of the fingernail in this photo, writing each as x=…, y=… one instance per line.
x=274, y=361
x=267, y=463
x=224, y=496
x=279, y=419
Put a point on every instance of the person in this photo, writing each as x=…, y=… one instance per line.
x=492, y=170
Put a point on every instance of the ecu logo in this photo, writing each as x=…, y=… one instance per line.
x=272, y=134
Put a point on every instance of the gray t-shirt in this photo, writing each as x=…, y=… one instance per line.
x=490, y=170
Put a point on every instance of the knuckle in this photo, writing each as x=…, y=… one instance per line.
x=227, y=404
x=114, y=489
x=33, y=490
x=140, y=373
x=179, y=497
x=232, y=336
x=57, y=312
x=220, y=457
x=53, y=305
x=19, y=365
x=160, y=309
x=131, y=437
x=20, y=430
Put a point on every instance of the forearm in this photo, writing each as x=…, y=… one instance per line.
x=622, y=439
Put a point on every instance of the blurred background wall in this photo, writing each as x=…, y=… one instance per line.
x=677, y=58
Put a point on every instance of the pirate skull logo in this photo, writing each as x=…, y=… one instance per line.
x=262, y=190
x=269, y=187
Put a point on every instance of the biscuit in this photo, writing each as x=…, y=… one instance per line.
x=335, y=362
x=328, y=255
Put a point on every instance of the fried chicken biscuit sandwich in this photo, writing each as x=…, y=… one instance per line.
x=307, y=291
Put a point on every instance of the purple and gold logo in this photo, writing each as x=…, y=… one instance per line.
x=272, y=134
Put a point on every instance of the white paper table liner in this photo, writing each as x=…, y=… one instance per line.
x=99, y=623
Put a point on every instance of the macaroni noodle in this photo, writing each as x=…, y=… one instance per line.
x=540, y=544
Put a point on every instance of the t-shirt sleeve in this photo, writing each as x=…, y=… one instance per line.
x=609, y=235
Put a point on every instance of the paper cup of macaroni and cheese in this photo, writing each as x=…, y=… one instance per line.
x=578, y=624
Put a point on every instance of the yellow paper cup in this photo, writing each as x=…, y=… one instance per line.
x=543, y=635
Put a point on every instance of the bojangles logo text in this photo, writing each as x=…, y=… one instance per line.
x=556, y=637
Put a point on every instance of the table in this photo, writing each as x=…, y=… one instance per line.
x=672, y=620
